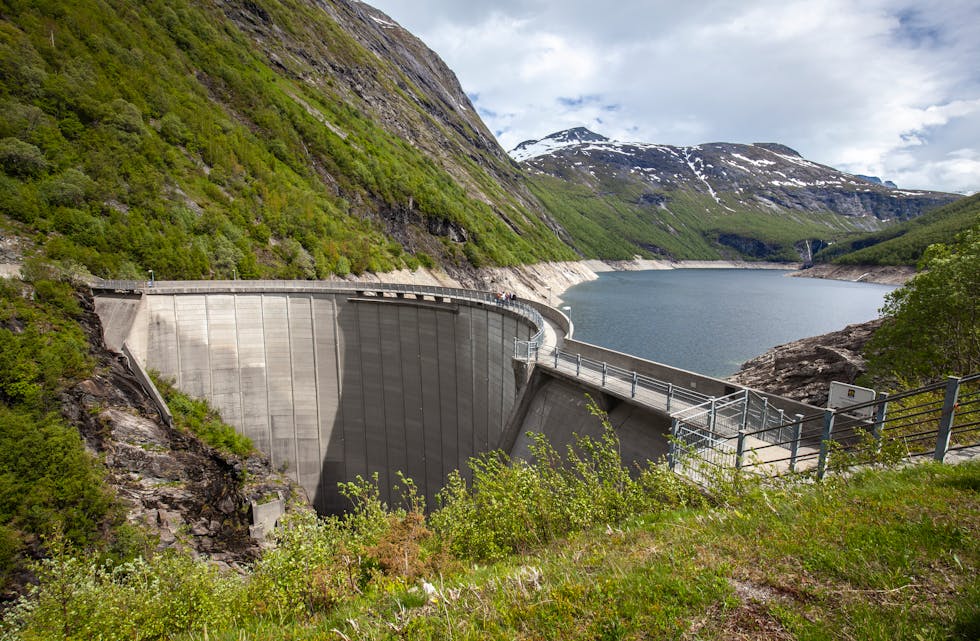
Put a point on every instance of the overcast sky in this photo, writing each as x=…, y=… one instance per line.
x=889, y=88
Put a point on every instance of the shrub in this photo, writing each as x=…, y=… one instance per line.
x=512, y=505
x=19, y=158
x=932, y=323
x=199, y=418
x=77, y=598
x=173, y=130
x=124, y=116
x=69, y=189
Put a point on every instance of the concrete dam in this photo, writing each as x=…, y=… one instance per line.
x=334, y=380
x=335, y=384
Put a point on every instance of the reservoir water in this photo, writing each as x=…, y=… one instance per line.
x=712, y=320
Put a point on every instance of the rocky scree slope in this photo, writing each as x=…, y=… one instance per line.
x=717, y=200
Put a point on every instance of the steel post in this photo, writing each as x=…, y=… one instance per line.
x=740, y=451
x=633, y=388
x=745, y=409
x=794, y=450
x=946, y=420
x=672, y=445
x=711, y=418
x=828, y=432
x=881, y=415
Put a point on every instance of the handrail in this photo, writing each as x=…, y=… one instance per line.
x=931, y=420
x=519, y=306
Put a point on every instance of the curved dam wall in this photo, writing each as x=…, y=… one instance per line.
x=332, y=385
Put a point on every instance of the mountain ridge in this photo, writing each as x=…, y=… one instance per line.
x=758, y=201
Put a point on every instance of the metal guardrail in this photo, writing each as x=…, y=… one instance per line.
x=930, y=421
x=650, y=391
x=400, y=290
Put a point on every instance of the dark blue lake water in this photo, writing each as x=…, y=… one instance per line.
x=712, y=320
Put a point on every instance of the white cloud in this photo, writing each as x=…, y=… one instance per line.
x=872, y=86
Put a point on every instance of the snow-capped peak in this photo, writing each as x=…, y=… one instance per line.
x=534, y=148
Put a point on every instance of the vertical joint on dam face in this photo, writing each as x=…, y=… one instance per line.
x=335, y=385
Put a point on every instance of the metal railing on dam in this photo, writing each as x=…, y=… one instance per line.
x=234, y=286
x=933, y=421
x=748, y=409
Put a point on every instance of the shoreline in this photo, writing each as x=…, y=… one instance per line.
x=880, y=274
x=546, y=282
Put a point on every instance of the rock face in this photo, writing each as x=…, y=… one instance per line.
x=187, y=493
x=410, y=91
x=804, y=369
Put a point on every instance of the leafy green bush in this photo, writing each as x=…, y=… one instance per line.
x=156, y=598
x=40, y=347
x=512, y=505
x=932, y=324
x=70, y=189
x=19, y=158
x=200, y=419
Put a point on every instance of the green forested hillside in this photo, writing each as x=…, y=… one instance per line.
x=50, y=487
x=905, y=243
x=158, y=135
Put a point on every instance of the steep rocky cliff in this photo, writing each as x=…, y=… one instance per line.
x=186, y=493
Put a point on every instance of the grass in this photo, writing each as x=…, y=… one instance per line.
x=883, y=555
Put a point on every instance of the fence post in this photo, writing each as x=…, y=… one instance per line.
x=633, y=387
x=765, y=412
x=711, y=419
x=670, y=393
x=745, y=409
x=828, y=431
x=557, y=352
x=740, y=451
x=881, y=415
x=603, y=374
x=946, y=420
x=794, y=449
x=578, y=364
x=515, y=348
x=672, y=445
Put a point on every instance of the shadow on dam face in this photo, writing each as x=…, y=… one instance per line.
x=335, y=385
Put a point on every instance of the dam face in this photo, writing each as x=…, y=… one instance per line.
x=336, y=385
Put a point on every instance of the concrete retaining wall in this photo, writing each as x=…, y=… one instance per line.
x=332, y=385
x=556, y=405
